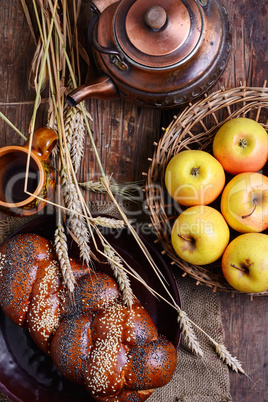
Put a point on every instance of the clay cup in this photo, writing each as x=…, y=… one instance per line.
x=41, y=175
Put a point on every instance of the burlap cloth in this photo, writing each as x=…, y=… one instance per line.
x=196, y=379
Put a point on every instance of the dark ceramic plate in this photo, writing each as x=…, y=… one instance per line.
x=28, y=375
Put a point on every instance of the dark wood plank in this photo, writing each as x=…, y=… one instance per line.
x=124, y=135
x=245, y=325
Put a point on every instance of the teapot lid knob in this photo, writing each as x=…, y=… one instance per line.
x=155, y=17
x=158, y=33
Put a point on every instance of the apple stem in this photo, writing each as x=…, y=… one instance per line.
x=195, y=171
x=243, y=269
x=186, y=238
x=248, y=215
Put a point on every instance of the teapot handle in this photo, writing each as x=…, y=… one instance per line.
x=116, y=57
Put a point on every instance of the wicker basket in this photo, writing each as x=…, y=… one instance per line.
x=195, y=128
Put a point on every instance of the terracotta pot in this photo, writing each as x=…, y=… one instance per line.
x=156, y=53
x=15, y=199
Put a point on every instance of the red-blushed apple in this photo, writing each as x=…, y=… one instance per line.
x=244, y=202
x=241, y=145
x=194, y=177
x=200, y=235
x=245, y=263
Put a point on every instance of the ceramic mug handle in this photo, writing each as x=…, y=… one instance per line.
x=43, y=141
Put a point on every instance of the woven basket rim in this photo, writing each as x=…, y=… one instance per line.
x=215, y=109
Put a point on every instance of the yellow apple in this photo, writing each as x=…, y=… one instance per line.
x=244, y=202
x=241, y=145
x=245, y=263
x=194, y=177
x=200, y=235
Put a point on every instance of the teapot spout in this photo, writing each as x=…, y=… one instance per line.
x=102, y=88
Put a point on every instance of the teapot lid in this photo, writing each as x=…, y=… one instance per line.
x=158, y=34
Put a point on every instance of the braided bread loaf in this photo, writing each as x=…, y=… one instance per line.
x=93, y=339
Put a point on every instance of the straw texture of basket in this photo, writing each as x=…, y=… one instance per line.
x=195, y=128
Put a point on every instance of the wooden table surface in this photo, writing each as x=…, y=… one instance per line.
x=125, y=134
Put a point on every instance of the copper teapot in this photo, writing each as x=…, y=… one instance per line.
x=156, y=53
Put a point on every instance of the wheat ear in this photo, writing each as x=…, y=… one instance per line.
x=188, y=333
x=109, y=222
x=76, y=221
x=61, y=247
x=69, y=124
x=77, y=140
x=120, y=275
x=74, y=130
x=125, y=190
x=230, y=360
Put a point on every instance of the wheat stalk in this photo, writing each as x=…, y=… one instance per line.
x=120, y=275
x=61, y=247
x=12, y=126
x=35, y=76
